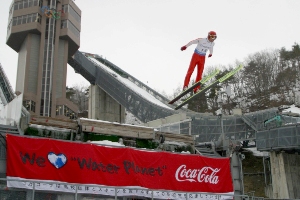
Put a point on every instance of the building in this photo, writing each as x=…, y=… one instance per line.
x=45, y=33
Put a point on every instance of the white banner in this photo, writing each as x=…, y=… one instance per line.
x=110, y=191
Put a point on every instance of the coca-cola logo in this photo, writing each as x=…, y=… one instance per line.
x=205, y=174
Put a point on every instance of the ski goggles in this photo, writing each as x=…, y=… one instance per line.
x=213, y=36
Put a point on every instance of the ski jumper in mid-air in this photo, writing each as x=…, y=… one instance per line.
x=198, y=58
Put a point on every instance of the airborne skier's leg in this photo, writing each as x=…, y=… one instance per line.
x=189, y=73
x=200, y=68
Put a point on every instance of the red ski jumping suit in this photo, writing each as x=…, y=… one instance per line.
x=198, y=58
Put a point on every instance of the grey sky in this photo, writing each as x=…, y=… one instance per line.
x=143, y=37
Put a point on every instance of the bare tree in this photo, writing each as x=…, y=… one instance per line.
x=259, y=76
x=80, y=96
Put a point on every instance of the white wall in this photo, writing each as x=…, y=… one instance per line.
x=10, y=114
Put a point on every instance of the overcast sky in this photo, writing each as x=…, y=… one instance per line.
x=143, y=37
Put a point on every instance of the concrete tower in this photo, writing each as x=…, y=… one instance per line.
x=45, y=33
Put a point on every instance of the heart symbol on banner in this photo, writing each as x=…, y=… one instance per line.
x=57, y=160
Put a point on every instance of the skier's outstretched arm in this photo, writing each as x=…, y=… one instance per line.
x=190, y=43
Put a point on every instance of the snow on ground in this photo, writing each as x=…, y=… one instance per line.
x=131, y=119
x=291, y=109
x=257, y=153
x=107, y=143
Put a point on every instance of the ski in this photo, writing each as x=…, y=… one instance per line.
x=201, y=82
x=220, y=80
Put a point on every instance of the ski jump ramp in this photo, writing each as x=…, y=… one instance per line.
x=139, y=99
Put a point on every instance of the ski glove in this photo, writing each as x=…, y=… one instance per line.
x=183, y=48
x=210, y=55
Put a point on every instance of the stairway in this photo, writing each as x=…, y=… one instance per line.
x=249, y=122
x=206, y=149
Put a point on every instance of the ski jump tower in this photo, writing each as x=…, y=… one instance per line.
x=46, y=34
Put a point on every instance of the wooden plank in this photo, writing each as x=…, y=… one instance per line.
x=119, y=132
x=188, y=139
x=117, y=129
x=110, y=128
x=85, y=122
x=55, y=122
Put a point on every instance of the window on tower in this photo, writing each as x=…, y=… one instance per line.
x=26, y=4
x=24, y=19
